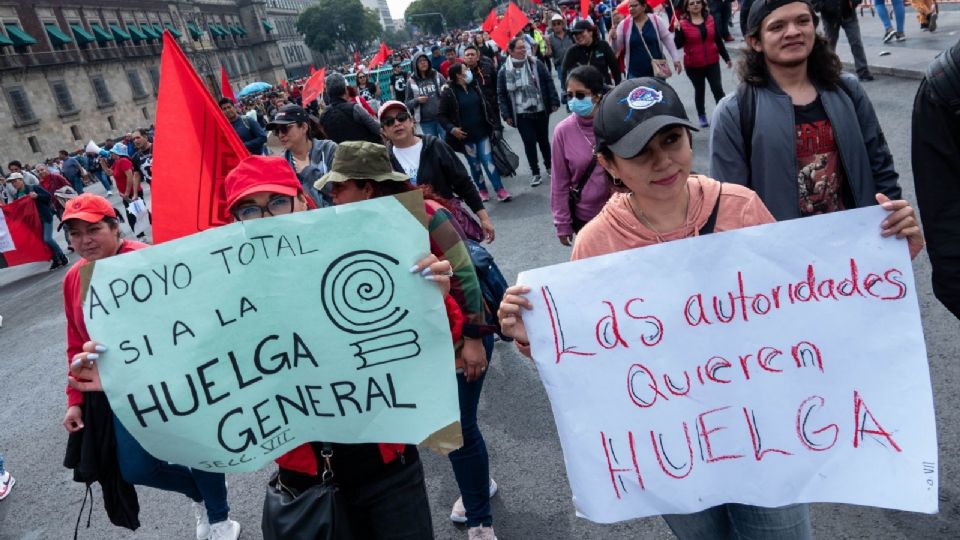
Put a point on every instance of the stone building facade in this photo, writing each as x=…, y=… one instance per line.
x=75, y=71
x=294, y=53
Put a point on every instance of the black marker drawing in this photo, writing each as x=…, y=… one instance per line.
x=358, y=292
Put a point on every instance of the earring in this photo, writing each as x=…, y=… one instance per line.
x=616, y=182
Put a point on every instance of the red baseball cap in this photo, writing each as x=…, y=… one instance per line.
x=87, y=207
x=258, y=174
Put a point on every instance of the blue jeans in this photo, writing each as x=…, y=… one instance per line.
x=743, y=522
x=76, y=183
x=104, y=179
x=48, y=239
x=471, y=464
x=480, y=158
x=432, y=128
x=1, y=465
x=140, y=468
x=898, y=13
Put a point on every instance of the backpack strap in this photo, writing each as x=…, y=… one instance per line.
x=712, y=220
x=747, y=102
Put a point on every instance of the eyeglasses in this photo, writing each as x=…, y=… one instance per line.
x=578, y=95
x=282, y=130
x=391, y=120
x=278, y=206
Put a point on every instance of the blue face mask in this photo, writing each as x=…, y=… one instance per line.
x=468, y=77
x=581, y=107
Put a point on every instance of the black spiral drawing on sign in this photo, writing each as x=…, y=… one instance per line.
x=357, y=292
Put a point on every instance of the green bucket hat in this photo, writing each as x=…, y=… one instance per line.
x=356, y=160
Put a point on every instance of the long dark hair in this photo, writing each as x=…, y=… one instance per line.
x=823, y=65
x=389, y=187
x=685, y=10
x=590, y=77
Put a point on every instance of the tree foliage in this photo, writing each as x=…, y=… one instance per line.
x=457, y=13
x=330, y=23
x=396, y=38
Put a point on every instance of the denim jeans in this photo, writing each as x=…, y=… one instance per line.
x=392, y=508
x=898, y=13
x=534, y=131
x=480, y=159
x=1, y=465
x=140, y=468
x=471, y=464
x=743, y=522
x=432, y=128
x=48, y=239
x=104, y=179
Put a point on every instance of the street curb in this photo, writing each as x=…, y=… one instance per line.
x=885, y=70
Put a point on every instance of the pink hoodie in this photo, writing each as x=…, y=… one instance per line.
x=572, y=150
x=617, y=228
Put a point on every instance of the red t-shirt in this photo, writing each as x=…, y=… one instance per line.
x=73, y=308
x=120, y=168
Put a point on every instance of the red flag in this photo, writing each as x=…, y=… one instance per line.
x=381, y=56
x=584, y=9
x=313, y=88
x=491, y=21
x=538, y=2
x=195, y=148
x=312, y=69
x=21, y=234
x=356, y=58
x=624, y=7
x=512, y=23
x=225, y=89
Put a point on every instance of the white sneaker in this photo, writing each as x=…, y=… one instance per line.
x=109, y=193
x=225, y=530
x=536, y=181
x=203, y=523
x=481, y=533
x=6, y=484
x=459, y=514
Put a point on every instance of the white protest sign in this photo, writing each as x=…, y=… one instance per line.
x=6, y=240
x=771, y=365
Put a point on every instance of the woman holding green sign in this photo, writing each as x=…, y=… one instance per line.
x=93, y=231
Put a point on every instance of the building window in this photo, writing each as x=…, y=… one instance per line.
x=145, y=113
x=34, y=145
x=111, y=122
x=102, y=91
x=61, y=93
x=75, y=131
x=136, y=85
x=154, y=72
x=20, y=105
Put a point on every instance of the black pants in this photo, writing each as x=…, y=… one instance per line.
x=722, y=11
x=698, y=76
x=391, y=508
x=534, y=130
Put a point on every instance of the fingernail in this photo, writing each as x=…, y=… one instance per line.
x=93, y=356
x=100, y=348
x=414, y=268
x=426, y=271
x=429, y=278
x=76, y=363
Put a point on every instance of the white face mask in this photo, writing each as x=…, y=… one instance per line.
x=468, y=77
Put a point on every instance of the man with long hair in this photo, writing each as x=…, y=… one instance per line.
x=795, y=107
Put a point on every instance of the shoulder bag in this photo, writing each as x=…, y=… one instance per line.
x=576, y=193
x=661, y=67
x=317, y=513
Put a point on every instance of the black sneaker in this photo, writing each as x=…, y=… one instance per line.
x=59, y=262
x=900, y=38
x=866, y=77
x=932, y=22
x=889, y=35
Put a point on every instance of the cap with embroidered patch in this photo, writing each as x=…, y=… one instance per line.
x=636, y=110
x=87, y=207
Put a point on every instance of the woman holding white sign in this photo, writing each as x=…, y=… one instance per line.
x=644, y=144
x=93, y=231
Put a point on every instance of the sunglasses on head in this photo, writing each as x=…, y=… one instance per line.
x=578, y=95
x=391, y=120
x=280, y=130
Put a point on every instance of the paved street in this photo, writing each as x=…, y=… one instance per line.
x=526, y=460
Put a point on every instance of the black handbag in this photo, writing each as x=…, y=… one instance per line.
x=317, y=513
x=504, y=158
x=576, y=193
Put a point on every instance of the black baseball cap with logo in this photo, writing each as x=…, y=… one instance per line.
x=634, y=112
x=289, y=114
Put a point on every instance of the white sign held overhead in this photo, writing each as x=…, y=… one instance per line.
x=771, y=365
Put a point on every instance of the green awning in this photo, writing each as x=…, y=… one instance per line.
x=19, y=37
x=243, y=31
x=81, y=35
x=195, y=32
x=224, y=30
x=103, y=36
x=57, y=37
x=173, y=29
x=149, y=31
x=4, y=40
x=267, y=26
x=119, y=32
x=135, y=33
x=158, y=29
x=215, y=31
x=236, y=31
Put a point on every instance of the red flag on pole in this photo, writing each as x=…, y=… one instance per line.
x=21, y=234
x=356, y=58
x=381, y=56
x=312, y=69
x=313, y=88
x=584, y=9
x=225, y=89
x=512, y=23
x=490, y=22
x=195, y=148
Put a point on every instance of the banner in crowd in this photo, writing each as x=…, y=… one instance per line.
x=772, y=365
x=191, y=129
x=21, y=234
x=228, y=348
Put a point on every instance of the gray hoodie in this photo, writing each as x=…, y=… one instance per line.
x=429, y=86
x=321, y=160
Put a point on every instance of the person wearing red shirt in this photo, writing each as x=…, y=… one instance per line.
x=452, y=59
x=52, y=182
x=94, y=232
x=128, y=185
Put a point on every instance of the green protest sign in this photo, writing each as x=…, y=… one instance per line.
x=228, y=348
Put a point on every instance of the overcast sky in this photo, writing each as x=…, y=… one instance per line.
x=397, y=7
